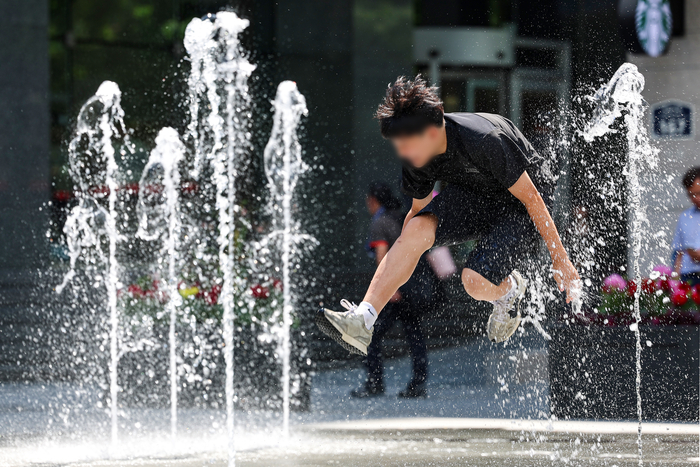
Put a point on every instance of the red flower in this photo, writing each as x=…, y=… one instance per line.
x=695, y=294
x=62, y=196
x=277, y=284
x=679, y=298
x=259, y=291
x=135, y=290
x=189, y=187
x=648, y=286
x=631, y=288
x=212, y=297
x=131, y=188
x=684, y=286
x=662, y=284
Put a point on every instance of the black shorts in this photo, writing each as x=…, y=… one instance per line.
x=507, y=237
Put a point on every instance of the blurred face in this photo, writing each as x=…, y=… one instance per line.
x=694, y=193
x=420, y=148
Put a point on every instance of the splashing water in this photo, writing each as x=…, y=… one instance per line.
x=218, y=61
x=622, y=97
x=211, y=154
x=159, y=219
x=93, y=163
x=540, y=296
x=283, y=164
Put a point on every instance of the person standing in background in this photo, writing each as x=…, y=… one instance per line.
x=686, y=241
x=385, y=228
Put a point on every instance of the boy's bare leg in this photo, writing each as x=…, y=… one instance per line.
x=353, y=329
x=401, y=260
x=481, y=288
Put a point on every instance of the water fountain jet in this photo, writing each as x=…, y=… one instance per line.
x=622, y=97
x=283, y=165
x=92, y=159
x=159, y=219
x=218, y=60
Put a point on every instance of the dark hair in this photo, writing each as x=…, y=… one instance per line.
x=409, y=107
x=690, y=176
x=381, y=191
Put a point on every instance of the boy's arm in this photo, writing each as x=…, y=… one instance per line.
x=677, y=247
x=417, y=205
x=677, y=263
x=564, y=272
x=694, y=254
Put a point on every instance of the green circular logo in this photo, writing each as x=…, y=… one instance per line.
x=653, y=23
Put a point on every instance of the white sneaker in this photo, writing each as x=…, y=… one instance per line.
x=505, y=318
x=347, y=328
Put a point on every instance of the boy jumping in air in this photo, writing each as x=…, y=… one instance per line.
x=497, y=192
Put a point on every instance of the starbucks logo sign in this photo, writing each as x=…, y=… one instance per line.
x=653, y=23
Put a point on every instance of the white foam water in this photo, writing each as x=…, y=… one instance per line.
x=218, y=61
x=215, y=147
x=622, y=97
x=283, y=164
x=92, y=162
x=159, y=219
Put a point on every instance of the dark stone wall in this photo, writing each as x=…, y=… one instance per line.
x=24, y=132
x=314, y=45
x=383, y=42
x=24, y=180
x=592, y=372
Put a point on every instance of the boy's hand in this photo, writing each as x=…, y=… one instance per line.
x=694, y=254
x=567, y=279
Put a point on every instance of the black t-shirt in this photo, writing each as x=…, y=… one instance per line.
x=486, y=154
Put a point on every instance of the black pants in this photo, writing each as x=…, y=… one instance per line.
x=410, y=317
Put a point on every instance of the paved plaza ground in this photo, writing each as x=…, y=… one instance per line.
x=487, y=406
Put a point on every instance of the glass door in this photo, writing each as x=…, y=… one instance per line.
x=474, y=91
x=539, y=101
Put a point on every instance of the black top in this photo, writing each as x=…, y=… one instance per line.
x=485, y=154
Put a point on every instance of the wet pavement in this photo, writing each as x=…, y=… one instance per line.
x=487, y=406
x=445, y=442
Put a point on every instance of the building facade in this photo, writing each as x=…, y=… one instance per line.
x=670, y=88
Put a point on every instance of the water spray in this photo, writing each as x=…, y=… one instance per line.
x=283, y=164
x=622, y=97
x=218, y=60
x=159, y=219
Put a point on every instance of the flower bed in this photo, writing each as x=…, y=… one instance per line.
x=262, y=302
x=663, y=300
x=143, y=369
x=592, y=368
